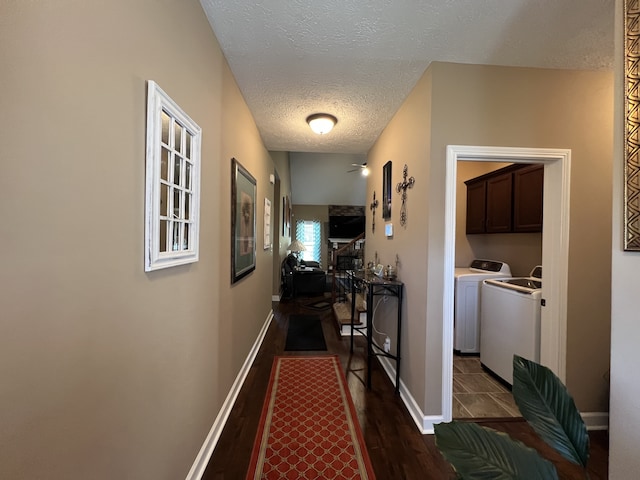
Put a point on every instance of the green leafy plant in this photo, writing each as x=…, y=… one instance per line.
x=546, y=404
x=478, y=452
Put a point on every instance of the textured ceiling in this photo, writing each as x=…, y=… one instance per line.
x=358, y=60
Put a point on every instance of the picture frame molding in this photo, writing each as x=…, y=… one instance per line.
x=267, y=224
x=286, y=216
x=631, y=128
x=243, y=234
x=386, y=190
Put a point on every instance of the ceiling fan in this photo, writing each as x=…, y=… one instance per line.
x=362, y=167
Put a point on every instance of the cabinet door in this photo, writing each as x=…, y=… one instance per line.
x=476, y=197
x=528, y=185
x=499, y=205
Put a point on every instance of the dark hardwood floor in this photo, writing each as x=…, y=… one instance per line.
x=397, y=449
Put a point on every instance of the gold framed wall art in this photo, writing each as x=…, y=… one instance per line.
x=632, y=125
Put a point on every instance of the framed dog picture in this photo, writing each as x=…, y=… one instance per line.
x=243, y=222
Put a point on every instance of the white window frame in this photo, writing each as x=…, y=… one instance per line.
x=186, y=220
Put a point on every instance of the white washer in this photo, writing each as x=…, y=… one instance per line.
x=466, y=316
x=510, y=322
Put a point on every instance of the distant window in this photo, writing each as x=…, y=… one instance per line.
x=173, y=183
x=309, y=233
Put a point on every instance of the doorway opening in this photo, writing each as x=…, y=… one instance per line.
x=555, y=248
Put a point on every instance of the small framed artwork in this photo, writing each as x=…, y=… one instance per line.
x=267, y=224
x=243, y=222
x=386, y=191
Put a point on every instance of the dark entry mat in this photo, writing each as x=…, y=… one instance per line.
x=305, y=333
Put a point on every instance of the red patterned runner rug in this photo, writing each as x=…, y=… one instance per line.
x=308, y=428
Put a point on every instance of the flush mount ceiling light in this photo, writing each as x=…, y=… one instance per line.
x=321, y=123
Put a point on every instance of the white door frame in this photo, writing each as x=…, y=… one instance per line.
x=555, y=252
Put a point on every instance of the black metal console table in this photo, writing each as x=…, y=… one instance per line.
x=375, y=286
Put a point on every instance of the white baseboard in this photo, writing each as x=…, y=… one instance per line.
x=424, y=422
x=596, y=420
x=201, y=461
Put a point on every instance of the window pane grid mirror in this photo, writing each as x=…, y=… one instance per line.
x=173, y=183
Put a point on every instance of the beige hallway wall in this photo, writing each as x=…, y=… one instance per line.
x=482, y=105
x=107, y=371
x=406, y=140
x=558, y=109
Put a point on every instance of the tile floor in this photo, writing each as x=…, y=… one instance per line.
x=477, y=394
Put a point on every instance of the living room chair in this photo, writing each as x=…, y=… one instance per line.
x=302, y=277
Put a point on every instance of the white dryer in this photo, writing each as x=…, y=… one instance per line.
x=510, y=319
x=466, y=316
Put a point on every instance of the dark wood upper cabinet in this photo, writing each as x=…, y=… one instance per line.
x=506, y=200
x=528, y=193
x=476, y=200
x=498, y=211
